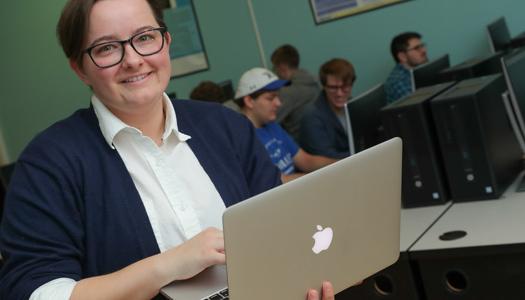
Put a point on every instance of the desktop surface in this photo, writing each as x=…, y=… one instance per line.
x=486, y=223
x=416, y=221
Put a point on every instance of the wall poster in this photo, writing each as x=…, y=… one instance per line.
x=187, y=51
x=328, y=10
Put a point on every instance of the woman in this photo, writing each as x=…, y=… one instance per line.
x=122, y=198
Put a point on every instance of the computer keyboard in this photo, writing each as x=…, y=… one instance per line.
x=521, y=185
x=220, y=295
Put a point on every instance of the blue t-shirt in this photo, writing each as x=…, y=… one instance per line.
x=279, y=145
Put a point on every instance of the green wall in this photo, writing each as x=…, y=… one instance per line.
x=448, y=26
x=38, y=88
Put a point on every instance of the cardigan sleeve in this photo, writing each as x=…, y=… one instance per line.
x=41, y=235
x=259, y=171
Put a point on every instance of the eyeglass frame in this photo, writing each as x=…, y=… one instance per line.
x=88, y=50
x=416, y=47
x=334, y=88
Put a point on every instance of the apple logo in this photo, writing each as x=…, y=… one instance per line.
x=322, y=239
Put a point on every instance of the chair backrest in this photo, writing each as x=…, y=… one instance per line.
x=5, y=177
x=3, y=190
x=5, y=173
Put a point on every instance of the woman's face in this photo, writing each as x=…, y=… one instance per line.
x=137, y=83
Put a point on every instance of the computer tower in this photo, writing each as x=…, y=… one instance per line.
x=475, y=67
x=424, y=182
x=480, y=150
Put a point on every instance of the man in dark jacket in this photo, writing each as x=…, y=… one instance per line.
x=323, y=126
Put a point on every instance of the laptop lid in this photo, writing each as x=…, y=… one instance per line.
x=340, y=223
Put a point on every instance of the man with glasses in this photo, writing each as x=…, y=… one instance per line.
x=408, y=51
x=323, y=127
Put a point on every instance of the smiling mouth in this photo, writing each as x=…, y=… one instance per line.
x=136, y=78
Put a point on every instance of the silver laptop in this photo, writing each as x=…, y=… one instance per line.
x=339, y=223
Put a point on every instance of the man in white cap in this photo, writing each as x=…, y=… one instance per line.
x=258, y=99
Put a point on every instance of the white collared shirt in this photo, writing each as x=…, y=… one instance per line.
x=179, y=197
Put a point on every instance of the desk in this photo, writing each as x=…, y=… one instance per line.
x=488, y=262
x=415, y=221
x=398, y=281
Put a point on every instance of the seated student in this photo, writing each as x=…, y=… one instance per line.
x=212, y=92
x=408, y=52
x=257, y=95
x=125, y=196
x=323, y=127
x=208, y=91
x=302, y=90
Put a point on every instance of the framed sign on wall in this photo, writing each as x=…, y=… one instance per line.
x=187, y=50
x=329, y=10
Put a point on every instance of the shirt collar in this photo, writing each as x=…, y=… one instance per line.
x=403, y=67
x=110, y=125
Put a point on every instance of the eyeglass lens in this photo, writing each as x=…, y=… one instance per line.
x=417, y=47
x=335, y=88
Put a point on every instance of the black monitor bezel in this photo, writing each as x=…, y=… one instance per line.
x=379, y=88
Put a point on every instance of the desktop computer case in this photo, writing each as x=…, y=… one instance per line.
x=480, y=151
x=424, y=182
x=476, y=67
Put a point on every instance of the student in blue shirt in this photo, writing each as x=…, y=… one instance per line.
x=257, y=95
x=408, y=51
x=124, y=197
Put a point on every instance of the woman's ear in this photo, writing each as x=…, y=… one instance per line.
x=168, y=38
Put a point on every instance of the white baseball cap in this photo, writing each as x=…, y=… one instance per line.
x=258, y=79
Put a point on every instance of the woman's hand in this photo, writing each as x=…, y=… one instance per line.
x=193, y=256
x=327, y=291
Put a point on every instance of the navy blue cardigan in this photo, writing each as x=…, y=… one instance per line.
x=73, y=211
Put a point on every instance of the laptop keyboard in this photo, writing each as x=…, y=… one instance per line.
x=220, y=295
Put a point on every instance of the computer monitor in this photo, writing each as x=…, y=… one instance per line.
x=474, y=67
x=227, y=89
x=511, y=114
x=499, y=35
x=363, y=120
x=429, y=73
x=513, y=66
x=500, y=38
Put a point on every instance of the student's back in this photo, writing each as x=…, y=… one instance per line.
x=302, y=91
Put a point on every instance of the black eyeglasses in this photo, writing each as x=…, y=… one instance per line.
x=145, y=43
x=335, y=88
x=417, y=47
